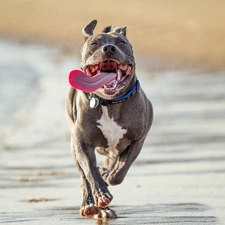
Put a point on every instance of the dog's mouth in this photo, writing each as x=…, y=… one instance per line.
x=122, y=72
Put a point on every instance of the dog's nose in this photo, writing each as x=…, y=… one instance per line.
x=109, y=49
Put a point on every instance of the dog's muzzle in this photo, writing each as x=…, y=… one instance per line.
x=122, y=71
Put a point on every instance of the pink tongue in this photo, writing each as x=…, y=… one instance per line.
x=79, y=80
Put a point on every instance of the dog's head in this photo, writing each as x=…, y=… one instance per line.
x=108, y=52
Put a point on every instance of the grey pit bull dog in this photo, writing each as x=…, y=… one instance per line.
x=113, y=120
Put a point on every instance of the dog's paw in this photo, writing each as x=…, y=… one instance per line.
x=104, y=200
x=105, y=213
x=89, y=210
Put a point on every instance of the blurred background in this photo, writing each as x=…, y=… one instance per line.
x=179, y=47
x=189, y=32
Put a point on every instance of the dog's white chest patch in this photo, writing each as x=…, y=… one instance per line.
x=112, y=131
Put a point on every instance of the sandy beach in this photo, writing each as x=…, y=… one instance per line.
x=179, y=177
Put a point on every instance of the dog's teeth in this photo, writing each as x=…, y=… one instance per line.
x=111, y=85
x=88, y=72
x=128, y=70
x=115, y=84
x=119, y=75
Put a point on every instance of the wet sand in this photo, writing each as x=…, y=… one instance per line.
x=179, y=177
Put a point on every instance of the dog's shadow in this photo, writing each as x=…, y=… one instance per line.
x=182, y=213
x=176, y=214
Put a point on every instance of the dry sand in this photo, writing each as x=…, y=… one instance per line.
x=190, y=32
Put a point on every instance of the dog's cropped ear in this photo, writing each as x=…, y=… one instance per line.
x=121, y=30
x=107, y=29
x=88, y=29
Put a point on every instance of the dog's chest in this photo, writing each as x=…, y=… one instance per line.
x=111, y=130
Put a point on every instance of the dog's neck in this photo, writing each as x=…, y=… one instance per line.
x=95, y=100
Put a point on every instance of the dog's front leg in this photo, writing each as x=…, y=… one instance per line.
x=88, y=207
x=84, y=156
x=118, y=169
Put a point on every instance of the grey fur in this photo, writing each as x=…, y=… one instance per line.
x=133, y=115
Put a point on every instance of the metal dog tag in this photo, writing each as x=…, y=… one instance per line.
x=94, y=102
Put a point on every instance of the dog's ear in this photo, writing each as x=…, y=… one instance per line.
x=107, y=29
x=88, y=29
x=121, y=30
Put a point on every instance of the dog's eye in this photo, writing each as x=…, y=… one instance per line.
x=122, y=43
x=93, y=44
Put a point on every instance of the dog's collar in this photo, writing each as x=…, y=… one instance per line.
x=94, y=100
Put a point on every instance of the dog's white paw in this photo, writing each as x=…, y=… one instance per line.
x=105, y=213
x=104, y=200
x=89, y=210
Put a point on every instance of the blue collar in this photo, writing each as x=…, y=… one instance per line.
x=106, y=102
x=132, y=91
